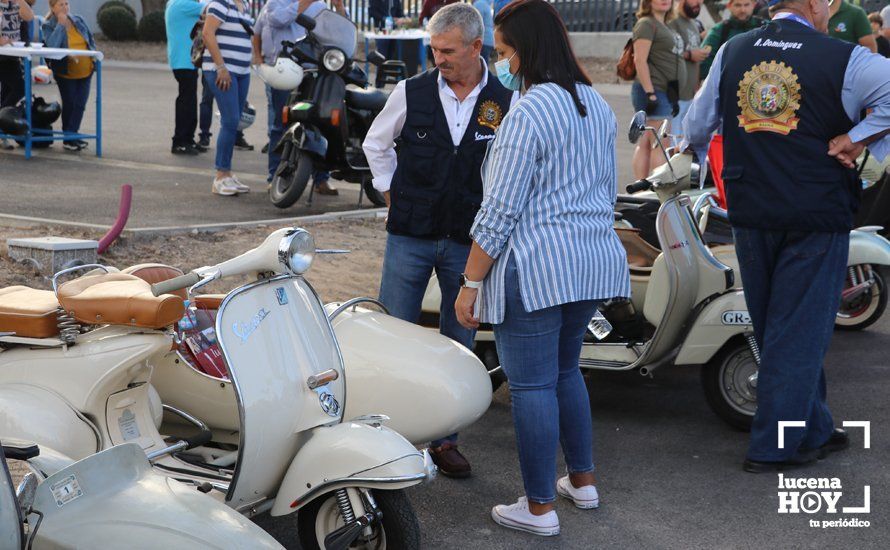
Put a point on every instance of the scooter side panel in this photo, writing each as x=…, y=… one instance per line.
x=113, y=499
x=720, y=320
x=30, y=413
x=429, y=385
x=349, y=454
x=274, y=335
x=868, y=248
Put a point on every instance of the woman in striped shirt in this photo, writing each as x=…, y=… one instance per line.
x=226, y=68
x=545, y=252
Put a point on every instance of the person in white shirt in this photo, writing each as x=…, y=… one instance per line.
x=444, y=119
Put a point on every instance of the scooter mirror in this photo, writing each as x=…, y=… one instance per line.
x=26, y=492
x=376, y=58
x=663, y=129
x=637, y=127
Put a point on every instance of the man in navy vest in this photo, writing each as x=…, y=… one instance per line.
x=789, y=98
x=443, y=120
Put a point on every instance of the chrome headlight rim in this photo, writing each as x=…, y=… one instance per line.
x=334, y=60
x=296, y=251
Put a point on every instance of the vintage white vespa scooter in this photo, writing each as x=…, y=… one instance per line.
x=684, y=309
x=114, y=499
x=78, y=393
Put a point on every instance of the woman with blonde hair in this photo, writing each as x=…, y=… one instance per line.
x=658, y=52
x=74, y=73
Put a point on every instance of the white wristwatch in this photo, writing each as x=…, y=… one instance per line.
x=464, y=282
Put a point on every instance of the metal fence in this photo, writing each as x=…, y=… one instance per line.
x=579, y=15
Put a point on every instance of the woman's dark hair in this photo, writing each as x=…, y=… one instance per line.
x=534, y=29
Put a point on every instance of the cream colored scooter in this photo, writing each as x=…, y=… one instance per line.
x=76, y=393
x=684, y=309
x=114, y=499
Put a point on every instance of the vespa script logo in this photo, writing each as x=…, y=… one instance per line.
x=244, y=330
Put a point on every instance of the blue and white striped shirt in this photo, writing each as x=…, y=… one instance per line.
x=233, y=40
x=549, y=192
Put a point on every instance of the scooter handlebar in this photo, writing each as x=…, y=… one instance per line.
x=639, y=185
x=176, y=283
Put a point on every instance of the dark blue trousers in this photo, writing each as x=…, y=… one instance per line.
x=793, y=282
x=75, y=93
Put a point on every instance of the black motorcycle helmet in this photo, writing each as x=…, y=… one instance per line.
x=12, y=121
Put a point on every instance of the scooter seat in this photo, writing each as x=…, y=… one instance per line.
x=28, y=312
x=368, y=100
x=640, y=254
x=118, y=299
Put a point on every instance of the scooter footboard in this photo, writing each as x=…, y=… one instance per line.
x=725, y=317
x=350, y=454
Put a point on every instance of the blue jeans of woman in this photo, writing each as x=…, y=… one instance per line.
x=230, y=103
x=74, y=93
x=539, y=352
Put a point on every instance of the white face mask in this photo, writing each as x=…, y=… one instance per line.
x=508, y=79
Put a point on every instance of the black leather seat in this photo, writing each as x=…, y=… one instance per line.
x=368, y=100
x=19, y=450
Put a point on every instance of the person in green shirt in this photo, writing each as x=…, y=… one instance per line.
x=850, y=24
x=741, y=20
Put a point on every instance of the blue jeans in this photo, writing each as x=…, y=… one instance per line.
x=793, y=282
x=638, y=100
x=408, y=263
x=74, y=94
x=205, y=110
x=539, y=352
x=231, y=103
x=276, y=100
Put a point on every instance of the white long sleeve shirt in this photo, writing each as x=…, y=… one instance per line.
x=379, y=144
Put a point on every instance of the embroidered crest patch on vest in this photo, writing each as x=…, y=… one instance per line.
x=490, y=115
x=769, y=97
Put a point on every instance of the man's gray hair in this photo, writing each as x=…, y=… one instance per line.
x=460, y=15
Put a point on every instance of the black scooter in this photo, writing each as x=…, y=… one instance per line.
x=329, y=114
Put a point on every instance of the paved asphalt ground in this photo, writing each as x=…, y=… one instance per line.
x=669, y=470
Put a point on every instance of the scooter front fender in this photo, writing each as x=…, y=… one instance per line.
x=351, y=454
x=305, y=138
x=724, y=318
x=867, y=247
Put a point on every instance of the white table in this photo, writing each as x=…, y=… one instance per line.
x=400, y=35
x=50, y=135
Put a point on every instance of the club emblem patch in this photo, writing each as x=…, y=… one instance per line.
x=769, y=97
x=490, y=115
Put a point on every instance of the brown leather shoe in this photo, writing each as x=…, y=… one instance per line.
x=449, y=461
x=325, y=188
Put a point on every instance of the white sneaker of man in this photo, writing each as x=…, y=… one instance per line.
x=584, y=497
x=517, y=516
x=224, y=186
x=242, y=188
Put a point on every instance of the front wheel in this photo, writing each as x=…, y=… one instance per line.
x=398, y=529
x=375, y=196
x=291, y=177
x=730, y=384
x=865, y=309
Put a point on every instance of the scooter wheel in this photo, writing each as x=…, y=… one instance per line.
x=375, y=196
x=730, y=384
x=290, y=178
x=866, y=309
x=398, y=529
x=488, y=354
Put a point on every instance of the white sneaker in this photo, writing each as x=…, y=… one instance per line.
x=5, y=145
x=224, y=186
x=518, y=516
x=584, y=497
x=240, y=186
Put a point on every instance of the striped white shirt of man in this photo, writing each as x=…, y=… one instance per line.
x=232, y=37
x=549, y=183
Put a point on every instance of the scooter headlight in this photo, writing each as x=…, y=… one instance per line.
x=296, y=251
x=333, y=60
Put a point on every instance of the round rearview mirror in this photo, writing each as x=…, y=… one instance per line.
x=663, y=129
x=637, y=126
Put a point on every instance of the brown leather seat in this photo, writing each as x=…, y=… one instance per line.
x=28, y=312
x=156, y=273
x=119, y=299
x=640, y=254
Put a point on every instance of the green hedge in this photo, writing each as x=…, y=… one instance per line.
x=152, y=28
x=117, y=23
x=118, y=3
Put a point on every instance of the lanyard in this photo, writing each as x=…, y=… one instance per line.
x=793, y=17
